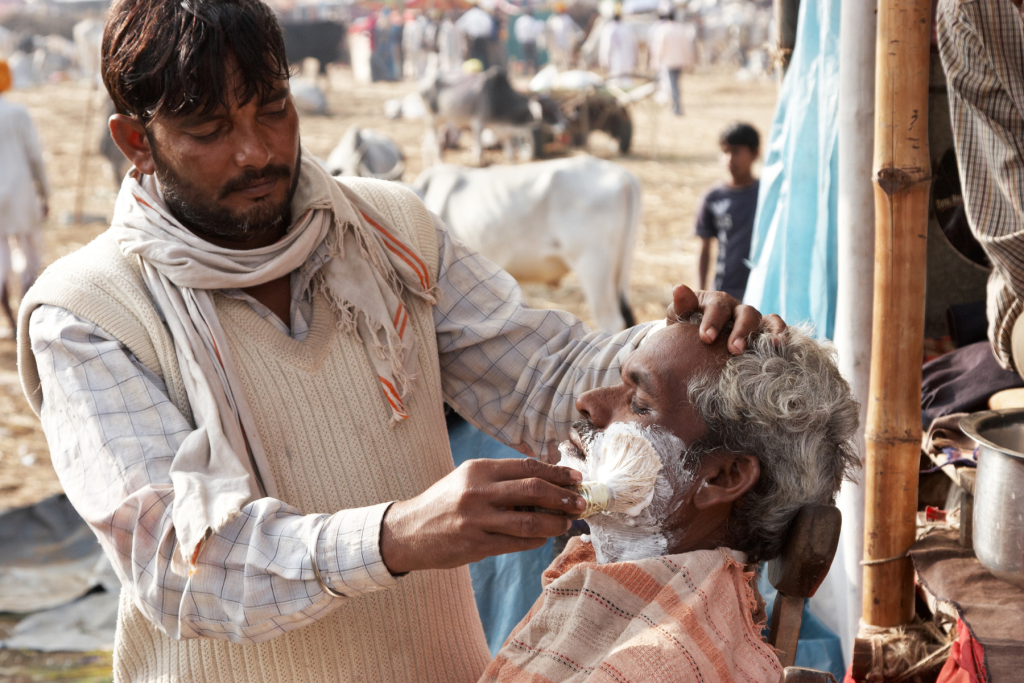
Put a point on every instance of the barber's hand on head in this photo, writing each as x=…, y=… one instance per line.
x=468, y=515
x=718, y=309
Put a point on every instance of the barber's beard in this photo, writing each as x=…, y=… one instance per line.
x=208, y=219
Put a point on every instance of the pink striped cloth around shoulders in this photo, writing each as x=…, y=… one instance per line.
x=677, y=618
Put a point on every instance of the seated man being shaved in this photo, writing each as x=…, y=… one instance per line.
x=659, y=593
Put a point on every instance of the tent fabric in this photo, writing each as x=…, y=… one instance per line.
x=53, y=569
x=505, y=586
x=48, y=557
x=794, y=252
x=83, y=625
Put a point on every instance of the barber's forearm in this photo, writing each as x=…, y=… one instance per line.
x=511, y=370
x=252, y=580
x=527, y=401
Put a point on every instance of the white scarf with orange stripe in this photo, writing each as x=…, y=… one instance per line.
x=221, y=465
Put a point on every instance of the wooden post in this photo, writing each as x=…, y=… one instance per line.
x=786, y=12
x=856, y=260
x=902, y=175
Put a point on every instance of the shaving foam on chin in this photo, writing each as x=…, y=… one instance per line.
x=620, y=471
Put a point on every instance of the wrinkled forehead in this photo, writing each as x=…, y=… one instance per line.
x=678, y=349
x=661, y=370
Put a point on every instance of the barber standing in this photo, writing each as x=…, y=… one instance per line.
x=981, y=45
x=242, y=383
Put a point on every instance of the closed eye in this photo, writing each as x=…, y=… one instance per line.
x=639, y=408
x=277, y=113
x=208, y=137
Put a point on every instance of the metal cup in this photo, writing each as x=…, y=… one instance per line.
x=999, y=491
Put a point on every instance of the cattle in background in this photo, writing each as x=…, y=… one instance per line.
x=321, y=40
x=540, y=220
x=367, y=153
x=475, y=102
x=307, y=96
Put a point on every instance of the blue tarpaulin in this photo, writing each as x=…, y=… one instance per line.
x=793, y=252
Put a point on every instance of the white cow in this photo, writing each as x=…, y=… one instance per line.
x=368, y=153
x=307, y=96
x=540, y=220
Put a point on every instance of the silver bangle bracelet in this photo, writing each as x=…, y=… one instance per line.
x=313, y=541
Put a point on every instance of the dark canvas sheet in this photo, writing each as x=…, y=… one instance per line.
x=992, y=609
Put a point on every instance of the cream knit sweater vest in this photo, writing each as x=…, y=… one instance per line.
x=324, y=424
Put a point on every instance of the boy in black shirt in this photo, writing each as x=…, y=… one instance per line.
x=727, y=212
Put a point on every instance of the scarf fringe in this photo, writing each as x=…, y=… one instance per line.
x=336, y=247
x=391, y=349
x=347, y=312
x=394, y=353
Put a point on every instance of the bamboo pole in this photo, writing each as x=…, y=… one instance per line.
x=902, y=176
x=856, y=254
x=786, y=12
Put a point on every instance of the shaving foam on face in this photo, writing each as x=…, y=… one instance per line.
x=621, y=469
x=629, y=457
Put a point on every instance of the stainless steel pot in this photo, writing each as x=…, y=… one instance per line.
x=999, y=491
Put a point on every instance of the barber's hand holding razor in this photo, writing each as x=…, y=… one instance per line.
x=468, y=515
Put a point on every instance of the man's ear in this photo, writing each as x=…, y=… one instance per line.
x=726, y=478
x=130, y=137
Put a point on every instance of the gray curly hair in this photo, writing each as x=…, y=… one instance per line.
x=784, y=401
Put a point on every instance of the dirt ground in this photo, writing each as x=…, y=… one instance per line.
x=676, y=159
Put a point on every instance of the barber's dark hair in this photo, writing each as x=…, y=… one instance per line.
x=170, y=56
x=741, y=134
